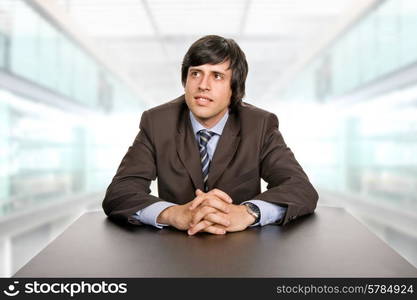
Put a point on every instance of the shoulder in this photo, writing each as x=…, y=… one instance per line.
x=165, y=118
x=168, y=108
x=252, y=115
x=167, y=114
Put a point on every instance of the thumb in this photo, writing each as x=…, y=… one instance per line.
x=198, y=192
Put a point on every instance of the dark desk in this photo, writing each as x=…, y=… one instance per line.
x=329, y=243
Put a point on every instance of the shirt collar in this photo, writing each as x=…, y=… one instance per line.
x=217, y=129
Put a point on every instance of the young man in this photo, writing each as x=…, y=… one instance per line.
x=209, y=151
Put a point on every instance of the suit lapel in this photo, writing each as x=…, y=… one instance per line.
x=225, y=150
x=187, y=149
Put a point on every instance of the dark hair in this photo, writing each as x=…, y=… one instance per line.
x=214, y=49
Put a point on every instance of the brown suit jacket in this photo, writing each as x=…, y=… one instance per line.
x=250, y=148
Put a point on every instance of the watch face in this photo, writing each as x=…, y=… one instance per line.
x=255, y=211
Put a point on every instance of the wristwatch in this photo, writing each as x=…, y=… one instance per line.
x=254, y=211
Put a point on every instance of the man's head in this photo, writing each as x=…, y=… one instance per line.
x=213, y=74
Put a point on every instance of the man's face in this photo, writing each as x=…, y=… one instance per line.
x=208, y=92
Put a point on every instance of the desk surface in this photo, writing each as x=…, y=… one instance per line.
x=329, y=243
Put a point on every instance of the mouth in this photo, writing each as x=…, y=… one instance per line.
x=202, y=100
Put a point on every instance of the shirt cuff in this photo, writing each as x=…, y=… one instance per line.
x=270, y=213
x=149, y=214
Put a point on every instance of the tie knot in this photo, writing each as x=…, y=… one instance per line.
x=205, y=136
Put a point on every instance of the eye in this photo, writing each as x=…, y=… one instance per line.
x=218, y=76
x=194, y=73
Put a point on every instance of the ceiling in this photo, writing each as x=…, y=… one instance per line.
x=150, y=37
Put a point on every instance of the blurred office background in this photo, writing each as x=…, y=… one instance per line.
x=75, y=76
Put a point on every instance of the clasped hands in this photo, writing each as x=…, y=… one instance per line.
x=211, y=212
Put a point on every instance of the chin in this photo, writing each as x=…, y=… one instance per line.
x=202, y=116
x=201, y=112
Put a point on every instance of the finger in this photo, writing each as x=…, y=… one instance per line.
x=222, y=195
x=210, y=200
x=200, y=214
x=215, y=202
x=217, y=219
x=200, y=198
x=215, y=229
x=197, y=201
x=200, y=226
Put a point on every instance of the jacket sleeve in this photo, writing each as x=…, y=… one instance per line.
x=288, y=185
x=129, y=190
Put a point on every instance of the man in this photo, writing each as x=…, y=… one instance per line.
x=209, y=151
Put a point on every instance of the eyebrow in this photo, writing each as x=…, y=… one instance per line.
x=213, y=71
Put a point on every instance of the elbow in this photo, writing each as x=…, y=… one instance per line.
x=106, y=203
x=313, y=196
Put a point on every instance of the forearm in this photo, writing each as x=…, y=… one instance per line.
x=296, y=194
x=124, y=198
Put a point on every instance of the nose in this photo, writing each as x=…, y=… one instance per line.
x=204, y=84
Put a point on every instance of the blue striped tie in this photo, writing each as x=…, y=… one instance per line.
x=205, y=136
